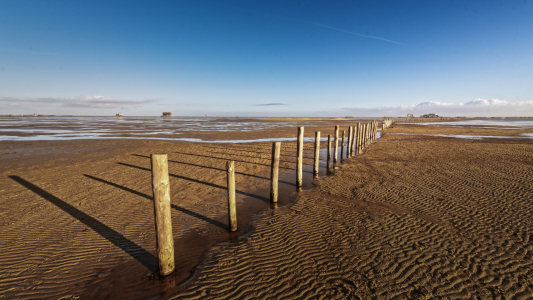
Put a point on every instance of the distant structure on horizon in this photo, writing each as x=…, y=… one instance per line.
x=429, y=116
x=119, y=115
x=166, y=114
x=410, y=115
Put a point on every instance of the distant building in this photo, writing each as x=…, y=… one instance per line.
x=410, y=116
x=166, y=114
x=429, y=116
x=119, y=115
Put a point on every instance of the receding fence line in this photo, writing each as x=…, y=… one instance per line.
x=317, y=153
x=274, y=172
x=387, y=123
x=232, y=209
x=163, y=218
x=358, y=137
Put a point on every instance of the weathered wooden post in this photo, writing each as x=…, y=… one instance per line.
x=317, y=153
x=232, y=206
x=352, y=146
x=363, y=135
x=163, y=218
x=342, y=146
x=358, y=146
x=375, y=127
x=372, y=131
x=329, y=152
x=368, y=134
x=336, y=143
x=274, y=172
x=367, y=127
x=349, y=152
x=375, y=131
x=300, y=150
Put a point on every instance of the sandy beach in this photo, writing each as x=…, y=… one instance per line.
x=416, y=216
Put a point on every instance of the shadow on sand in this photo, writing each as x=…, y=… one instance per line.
x=134, y=250
x=178, y=208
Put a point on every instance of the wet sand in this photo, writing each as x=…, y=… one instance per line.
x=77, y=217
x=414, y=217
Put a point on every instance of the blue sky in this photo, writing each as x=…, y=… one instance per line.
x=304, y=58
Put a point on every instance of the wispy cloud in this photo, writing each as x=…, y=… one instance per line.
x=474, y=108
x=269, y=104
x=350, y=32
x=78, y=102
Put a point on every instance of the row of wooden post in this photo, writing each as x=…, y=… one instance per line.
x=359, y=137
x=386, y=124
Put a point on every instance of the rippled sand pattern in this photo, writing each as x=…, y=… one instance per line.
x=86, y=229
x=411, y=219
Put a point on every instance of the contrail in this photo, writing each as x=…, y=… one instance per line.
x=353, y=33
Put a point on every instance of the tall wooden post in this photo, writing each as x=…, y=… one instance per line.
x=349, y=153
x=336, y=152
x=300, y=150
x=352, y=146
x=329, y=152
x=163, y=219
x=232, y=206
x=361, y=139
x=274, y=172
x=366, y=134
x=358, y=142
x=342, y=146
x=372, y=132
x=317, y=153
x=374, y=128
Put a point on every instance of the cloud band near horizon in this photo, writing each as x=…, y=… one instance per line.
x=474, y=108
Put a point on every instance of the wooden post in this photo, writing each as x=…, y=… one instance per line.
x=336, y=143
x=342, y=146
x=352, y=146
x=365, y=135
x=329, y=152
x=163, y=219
x=358, y=143
x=363, y=140
x=232, y=209
x=360, y=138
x=349, y=153
x=317, y=153
x=300, y=150
x=371, y=132
x=375, y=130
x=276, y=146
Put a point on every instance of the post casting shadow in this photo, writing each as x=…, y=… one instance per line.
x=134, y=250
x=201, y=182
x=183, y=210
